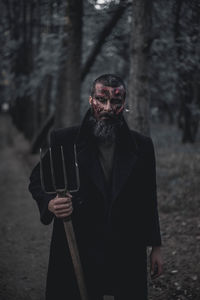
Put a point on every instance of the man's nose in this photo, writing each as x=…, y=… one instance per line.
x=108, y=106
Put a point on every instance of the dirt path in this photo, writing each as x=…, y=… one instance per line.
x=25, y=241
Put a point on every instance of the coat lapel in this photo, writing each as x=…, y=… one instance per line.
x=124, y=162
x=89, y=162
x=125, y=157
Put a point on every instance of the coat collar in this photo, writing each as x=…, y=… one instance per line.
x=125, y=157
x=87, y=153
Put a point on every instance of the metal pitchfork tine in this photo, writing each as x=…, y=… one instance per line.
x=69, y=231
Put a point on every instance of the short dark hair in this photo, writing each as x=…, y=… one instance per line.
x=108, y=80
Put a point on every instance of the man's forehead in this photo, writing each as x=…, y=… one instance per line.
x=108, y=90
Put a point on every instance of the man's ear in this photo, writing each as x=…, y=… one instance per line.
x=90, y=100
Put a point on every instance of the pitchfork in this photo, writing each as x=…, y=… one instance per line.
x=61, y=192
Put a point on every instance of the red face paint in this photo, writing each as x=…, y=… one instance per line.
x=97, y=109
x=117, y=91
x=108, y=100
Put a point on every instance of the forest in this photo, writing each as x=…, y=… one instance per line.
x=50, y=53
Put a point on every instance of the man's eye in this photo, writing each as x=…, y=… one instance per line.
x=116, y=101
x=101, y=99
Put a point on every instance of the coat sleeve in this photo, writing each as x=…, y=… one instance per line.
x=42, y=198
x=153, y=225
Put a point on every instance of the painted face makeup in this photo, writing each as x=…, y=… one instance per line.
x=107, y=101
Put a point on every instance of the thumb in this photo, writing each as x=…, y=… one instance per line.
x=152, y=266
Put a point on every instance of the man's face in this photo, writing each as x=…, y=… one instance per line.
x=107, y=102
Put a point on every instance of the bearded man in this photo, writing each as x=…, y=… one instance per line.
x=114, y=213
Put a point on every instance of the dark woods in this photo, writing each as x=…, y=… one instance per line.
x=51, y=51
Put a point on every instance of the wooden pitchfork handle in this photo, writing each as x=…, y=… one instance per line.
x=73, y=248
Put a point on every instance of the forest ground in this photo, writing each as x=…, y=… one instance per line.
x=25, y=241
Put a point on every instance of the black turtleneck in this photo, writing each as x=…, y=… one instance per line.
x=106, y=154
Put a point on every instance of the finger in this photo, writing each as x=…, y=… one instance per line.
x=62, y=200
x=69, y=195
x=67, y=213
x=62, y=206
x=65, y=210
x=152, y=268
x=63, y=215
x=157, y=270
x=160, y=269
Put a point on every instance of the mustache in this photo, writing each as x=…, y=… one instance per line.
x=108, y=115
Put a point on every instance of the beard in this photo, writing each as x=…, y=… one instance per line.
x=105, y=130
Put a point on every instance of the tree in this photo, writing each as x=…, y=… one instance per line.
x=188, y=70
x=69, y=82
x=106, y=30
x=138, y=90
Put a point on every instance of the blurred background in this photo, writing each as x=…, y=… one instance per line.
x=50, y=53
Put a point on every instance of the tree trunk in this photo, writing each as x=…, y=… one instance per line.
x=138, y=90
x=69, y=83
x=106, y=30
x=187, y=120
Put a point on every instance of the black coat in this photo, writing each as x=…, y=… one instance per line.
x=113, y=225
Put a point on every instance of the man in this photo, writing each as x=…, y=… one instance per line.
x=114, y=214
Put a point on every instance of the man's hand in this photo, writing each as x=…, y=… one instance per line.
x=156, y=262
x=61, y=207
